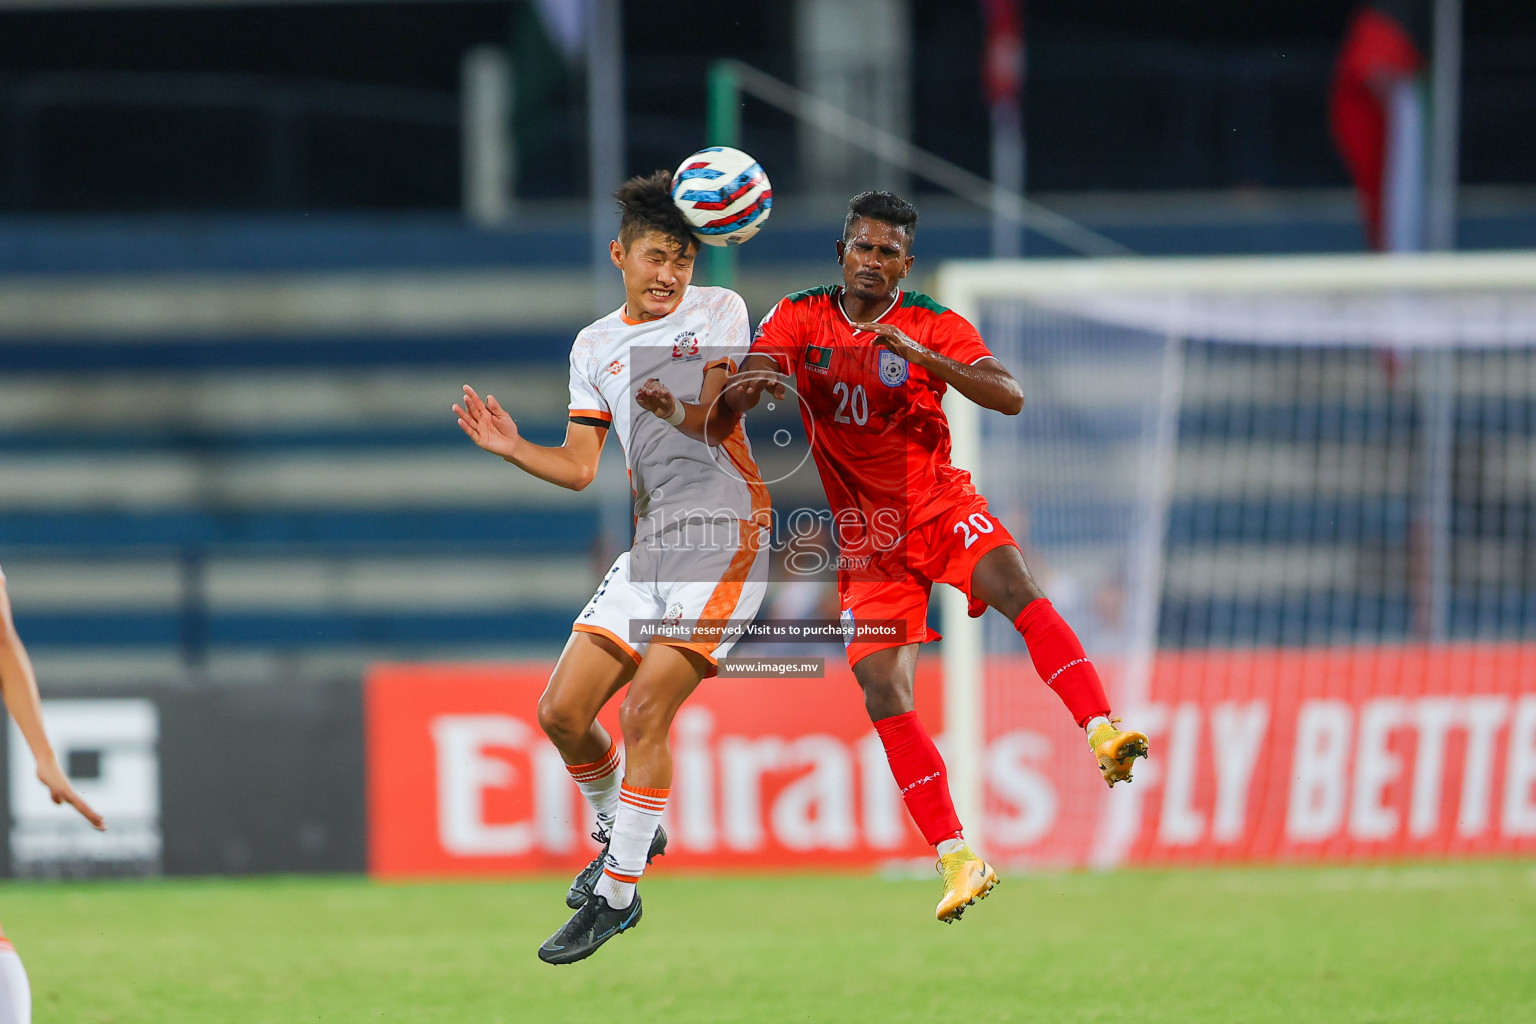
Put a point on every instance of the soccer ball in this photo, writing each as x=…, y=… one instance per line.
x=724, y=195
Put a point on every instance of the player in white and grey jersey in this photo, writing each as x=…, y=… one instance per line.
x=698, y=563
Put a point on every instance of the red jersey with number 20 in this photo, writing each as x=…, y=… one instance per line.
x=875, y=425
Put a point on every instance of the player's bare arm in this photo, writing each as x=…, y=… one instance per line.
x=19, y=685
x=984, y=382
x=572, y=465
x=758, y=373
x=723, y=399
x=702, y=422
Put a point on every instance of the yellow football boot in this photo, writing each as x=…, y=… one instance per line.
x=967, y=878
x=1116, y=750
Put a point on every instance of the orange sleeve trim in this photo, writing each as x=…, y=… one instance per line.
x=777, y=355
x=596, y=414
x=582, y=627
x=729, y=364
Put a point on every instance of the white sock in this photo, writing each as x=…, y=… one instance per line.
x=15, y=989
x=949, y=846
x=633, y=829
x=599, y=783
x=1094, y=723
x=618, y=894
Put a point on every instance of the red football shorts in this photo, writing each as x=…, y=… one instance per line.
x=944, y=549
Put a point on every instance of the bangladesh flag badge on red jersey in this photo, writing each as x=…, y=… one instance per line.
x=818, y=358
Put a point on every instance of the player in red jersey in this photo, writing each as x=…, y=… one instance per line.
x=870, y=362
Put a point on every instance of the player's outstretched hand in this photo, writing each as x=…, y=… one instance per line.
x=655, y=397
x=487, y=423
x=52, y=776
x=892, y=338
x=749, y=385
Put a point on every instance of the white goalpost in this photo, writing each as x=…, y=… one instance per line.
x=1227, y=465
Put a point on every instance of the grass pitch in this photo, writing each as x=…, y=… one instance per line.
x=1406, y=944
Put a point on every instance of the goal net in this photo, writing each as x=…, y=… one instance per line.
x=1290, y=507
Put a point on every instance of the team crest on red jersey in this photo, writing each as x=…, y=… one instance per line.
x=818, y=358
x=893, y=369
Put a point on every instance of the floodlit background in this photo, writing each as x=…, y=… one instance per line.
x=250, y=251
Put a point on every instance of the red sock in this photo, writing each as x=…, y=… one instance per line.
x=1059, y=658
x=919, y=771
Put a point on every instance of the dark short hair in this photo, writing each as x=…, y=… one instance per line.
x=646, y=205
x=886, y=207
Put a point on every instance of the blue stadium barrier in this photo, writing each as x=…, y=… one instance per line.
x=1369, y=520
x=1201, y=521
x=307, y=440
x=291, y=629
x=1319, y=617
x=1297, y=619
x=513, y=531
x=51, y=355
x=314, y=242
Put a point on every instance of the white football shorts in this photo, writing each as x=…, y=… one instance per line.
x=694, y=586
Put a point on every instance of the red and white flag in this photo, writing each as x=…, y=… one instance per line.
x=1379, y=116
x=1002, y=71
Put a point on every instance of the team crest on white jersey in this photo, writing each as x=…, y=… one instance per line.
x=685, y=347
x=674, y=616
x=893, y=369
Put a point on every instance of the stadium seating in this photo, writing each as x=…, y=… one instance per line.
x=276, y=499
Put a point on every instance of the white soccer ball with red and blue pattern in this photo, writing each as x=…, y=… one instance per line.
x=724, y=195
